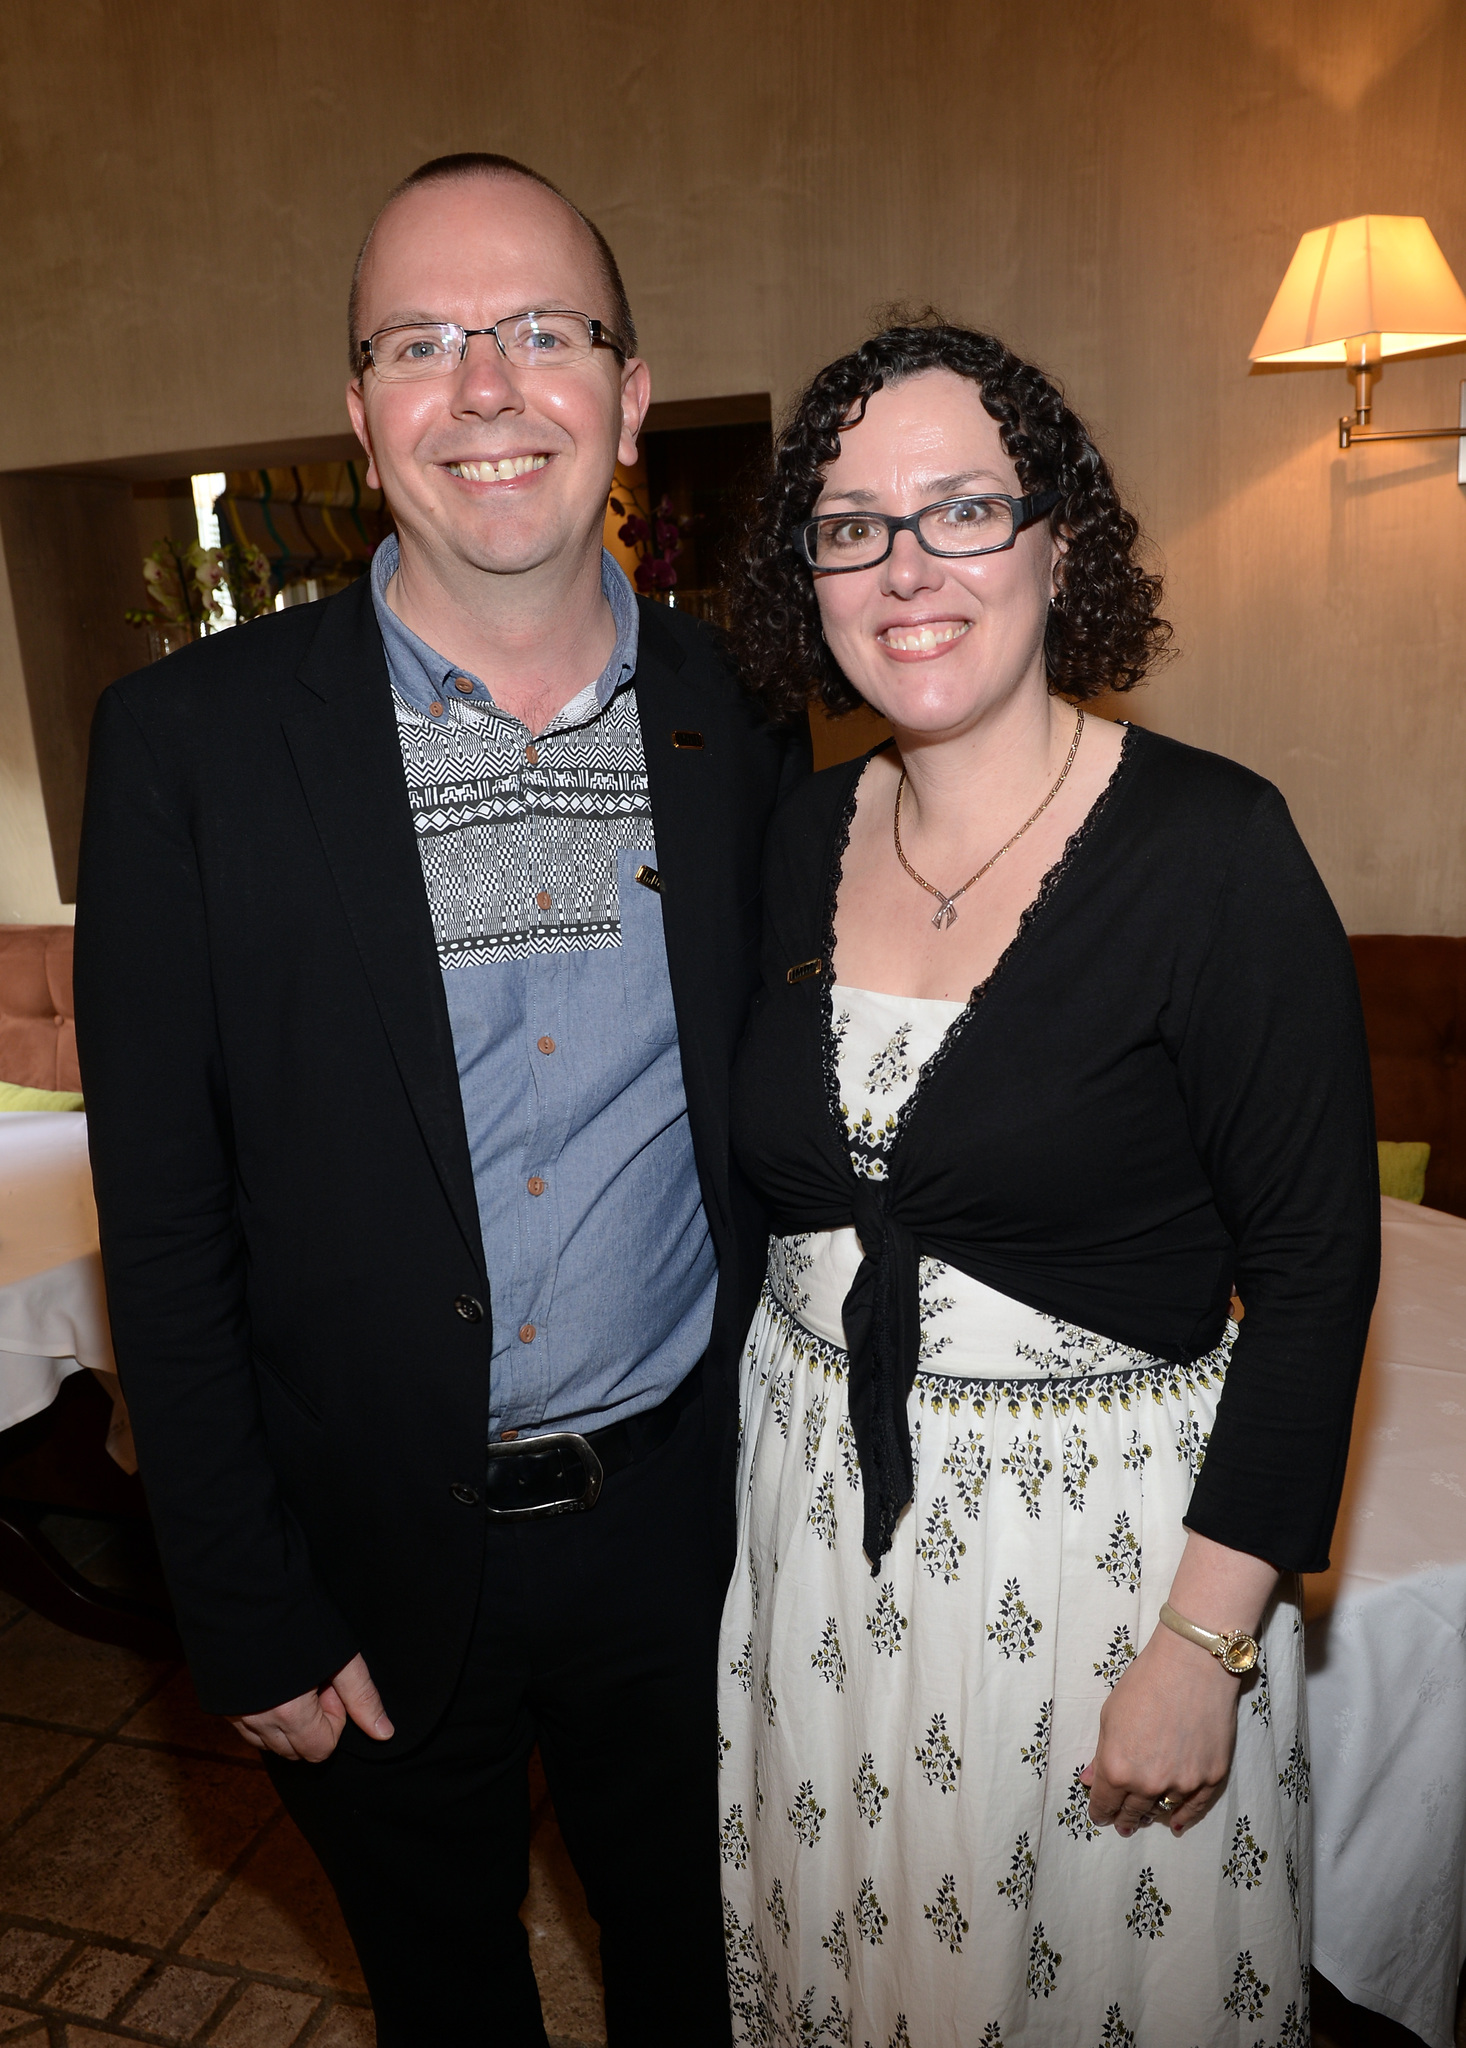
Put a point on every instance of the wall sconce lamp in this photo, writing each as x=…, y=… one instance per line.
x=1357, y=292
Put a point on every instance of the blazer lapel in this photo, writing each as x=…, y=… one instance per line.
x=690, y=826
x=343, y=739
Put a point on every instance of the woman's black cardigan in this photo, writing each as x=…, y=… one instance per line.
x=1160, y=1094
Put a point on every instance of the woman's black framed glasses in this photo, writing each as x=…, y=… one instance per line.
x=953, y=528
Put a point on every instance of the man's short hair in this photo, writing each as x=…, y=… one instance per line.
x=474, y=163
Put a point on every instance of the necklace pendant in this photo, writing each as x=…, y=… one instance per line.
x=946, y=914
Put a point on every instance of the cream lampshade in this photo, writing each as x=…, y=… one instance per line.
x=1359, y=291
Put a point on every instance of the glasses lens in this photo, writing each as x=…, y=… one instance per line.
x=967, y=526
x=402, y=352
x=845, y=540
x=542, y=340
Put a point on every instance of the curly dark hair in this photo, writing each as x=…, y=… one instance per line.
x=1102, y=634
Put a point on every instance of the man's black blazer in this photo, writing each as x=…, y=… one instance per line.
x=289, y=1229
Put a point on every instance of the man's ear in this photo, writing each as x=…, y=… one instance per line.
x=356, y=406
x=636, y=396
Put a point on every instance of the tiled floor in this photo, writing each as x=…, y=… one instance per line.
x=151, y=1888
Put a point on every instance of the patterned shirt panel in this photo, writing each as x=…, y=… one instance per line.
x=594, y=1234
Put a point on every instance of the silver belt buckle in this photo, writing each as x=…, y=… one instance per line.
x=576, y=1505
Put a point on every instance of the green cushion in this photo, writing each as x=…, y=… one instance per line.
x=13, y=1096
x=1402, y=1170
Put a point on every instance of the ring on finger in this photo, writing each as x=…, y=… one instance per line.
x=1167, y=1803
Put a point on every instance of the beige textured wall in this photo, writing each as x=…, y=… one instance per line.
x=1115, y=185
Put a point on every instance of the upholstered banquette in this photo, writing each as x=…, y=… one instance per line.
x=1414, y=992
x=37, y=1023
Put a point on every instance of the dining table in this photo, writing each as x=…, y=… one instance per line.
x=53, y=1305
x=1385, y=1641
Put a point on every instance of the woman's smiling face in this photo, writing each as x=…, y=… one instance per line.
x=934, y=644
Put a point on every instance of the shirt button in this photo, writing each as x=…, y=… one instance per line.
x=436, y=708
x=544, y=899
x=463, y=1494
x=535, y=1185
x=526, y=1333
x=471, y=1311
x=532, y=755
x=463, y=686
x=546, y=1044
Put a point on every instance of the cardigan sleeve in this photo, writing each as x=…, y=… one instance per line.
x=1274, y=1069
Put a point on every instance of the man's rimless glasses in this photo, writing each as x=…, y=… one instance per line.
x=531, y=341
x=838, y=541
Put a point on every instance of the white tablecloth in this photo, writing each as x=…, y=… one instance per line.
x=53, y=1309
x=1387, y=1652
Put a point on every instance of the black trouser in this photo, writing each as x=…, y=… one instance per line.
x=596, y=1638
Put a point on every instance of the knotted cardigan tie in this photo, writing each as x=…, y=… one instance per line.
x=882, y=1317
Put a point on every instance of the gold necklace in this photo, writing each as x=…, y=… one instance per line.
x=946, y=911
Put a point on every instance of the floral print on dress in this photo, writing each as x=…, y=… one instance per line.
x=1148, y=1916
x=870, y=1794
x=890, y=1067
x=1248, y=1990
x=870, y=1921
x=1246, y=1857
x=966, y=1465
x=940, y=1548
x=1035, y=1752
x=945, y=1914
x=1014, y=1630
x=899, y=1741
x=1116, y=1660
x=936, y=1759
x=829, y=1659
x=1017, y=1886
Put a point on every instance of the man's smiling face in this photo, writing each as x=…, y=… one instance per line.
x=492, y=467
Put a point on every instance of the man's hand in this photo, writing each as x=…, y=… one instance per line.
x=307, y=1729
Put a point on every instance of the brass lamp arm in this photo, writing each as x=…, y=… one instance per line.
x=1349, y=433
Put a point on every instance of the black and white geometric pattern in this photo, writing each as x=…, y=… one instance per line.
x=495, y=832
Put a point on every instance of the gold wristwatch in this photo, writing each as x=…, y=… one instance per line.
x=1234, y=1649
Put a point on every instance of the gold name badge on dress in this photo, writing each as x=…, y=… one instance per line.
x=805, y=971
x=649, y=878
x=688, y=741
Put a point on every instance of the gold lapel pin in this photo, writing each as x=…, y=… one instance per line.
x=649, y=878
x=806, y=970
x=688, y=741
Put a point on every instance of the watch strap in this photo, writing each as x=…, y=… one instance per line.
x=1234, y=1649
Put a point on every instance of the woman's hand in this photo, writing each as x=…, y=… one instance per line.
x=1168, y=1728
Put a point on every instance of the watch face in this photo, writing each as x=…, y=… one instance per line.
x=1240, y=1654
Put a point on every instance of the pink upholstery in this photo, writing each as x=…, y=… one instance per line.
x=37, y=1021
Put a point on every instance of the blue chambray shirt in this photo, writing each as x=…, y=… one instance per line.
x=601, y=1268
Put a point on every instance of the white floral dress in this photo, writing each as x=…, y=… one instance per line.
x=908, y=1860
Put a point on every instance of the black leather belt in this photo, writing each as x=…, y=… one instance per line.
x=562, y=1472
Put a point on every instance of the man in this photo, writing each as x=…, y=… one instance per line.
x=414, y=936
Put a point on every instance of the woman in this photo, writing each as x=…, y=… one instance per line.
x=1058, y=1041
